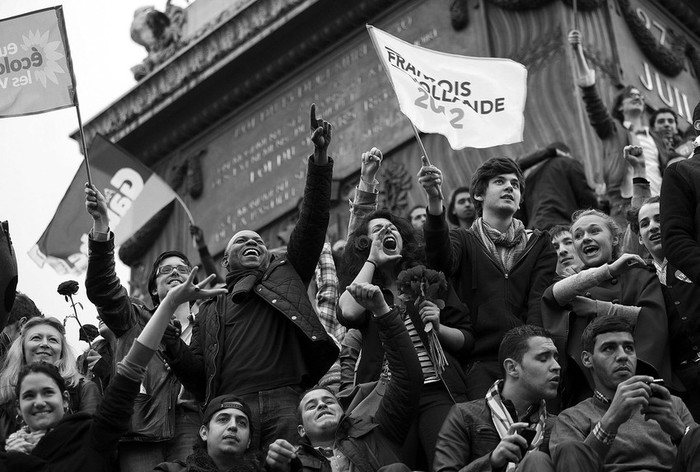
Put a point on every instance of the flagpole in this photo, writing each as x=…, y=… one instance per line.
x=184, y=207
x=74, y=89
x=425, y=153
x=575, y=16
x=82, y=137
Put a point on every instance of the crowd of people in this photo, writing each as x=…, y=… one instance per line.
x=524, y=327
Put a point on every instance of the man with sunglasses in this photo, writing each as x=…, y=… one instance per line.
x=159, y=432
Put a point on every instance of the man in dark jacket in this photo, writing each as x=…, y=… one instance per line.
x=511, y=425
x=224, y=440
x=166, y=417
x=680, y=210
x=366, y=439
x=555, y=187
x=499, y=270
x=263, y=340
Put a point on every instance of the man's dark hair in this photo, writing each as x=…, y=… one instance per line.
x=696, y=117
x=154, y=270
x=487, y=171
x=24, y=307
x=617, y=103
x=452, y=218
x=633, y=213
x=653, y=116
x=45, y=368
x=558, y=230
x=314, y=388
x=414, y=208
x=515, y=344
x=602, y=325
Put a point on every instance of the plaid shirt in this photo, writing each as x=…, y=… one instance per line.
x=327, y=294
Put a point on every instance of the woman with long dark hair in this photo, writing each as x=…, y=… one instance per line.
x=380, y=247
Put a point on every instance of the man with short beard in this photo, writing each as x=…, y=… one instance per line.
x=631, y=422
x=263, y=340
x=490, y=433
x=224, y=441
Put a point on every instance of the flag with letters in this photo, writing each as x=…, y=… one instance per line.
x=473, y=101
x=133, y=192
x=36, y=73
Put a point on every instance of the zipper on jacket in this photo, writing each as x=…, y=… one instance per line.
x=534, y=238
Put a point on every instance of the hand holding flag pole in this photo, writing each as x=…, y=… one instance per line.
x=426, y=159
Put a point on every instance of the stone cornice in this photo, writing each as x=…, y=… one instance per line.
x=685, y=11
x=141, y=120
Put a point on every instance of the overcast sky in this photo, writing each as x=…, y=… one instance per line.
x=39, y=159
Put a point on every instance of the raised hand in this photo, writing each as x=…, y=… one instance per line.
x=321, y=137
x=189, y=291
x=96, y=206
x=624, y=263
x=585, y=76
x=430, y=178
x=371, y=162
x=634, y=155
x=369, y=296
x=152, y=334
x=574, y=38
x=198, y=235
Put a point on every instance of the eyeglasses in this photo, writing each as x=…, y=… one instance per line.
x=634, y=95
x=166, y=269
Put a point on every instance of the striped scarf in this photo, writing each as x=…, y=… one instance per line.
x=505, y=247
x=502, y=420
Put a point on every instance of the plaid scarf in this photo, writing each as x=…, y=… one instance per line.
x=502, y=419
x=505, y=247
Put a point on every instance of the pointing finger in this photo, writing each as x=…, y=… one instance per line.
x=314, y=121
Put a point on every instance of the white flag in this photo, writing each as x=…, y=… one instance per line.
x=472, y=101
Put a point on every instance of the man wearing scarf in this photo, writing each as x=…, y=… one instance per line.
x=508, y=430
x=263, y=340
x=499, y=270
x=680, y=210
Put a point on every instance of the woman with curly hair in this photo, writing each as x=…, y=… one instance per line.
x=609, y=284
x=43, y=340
x=380, y=247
